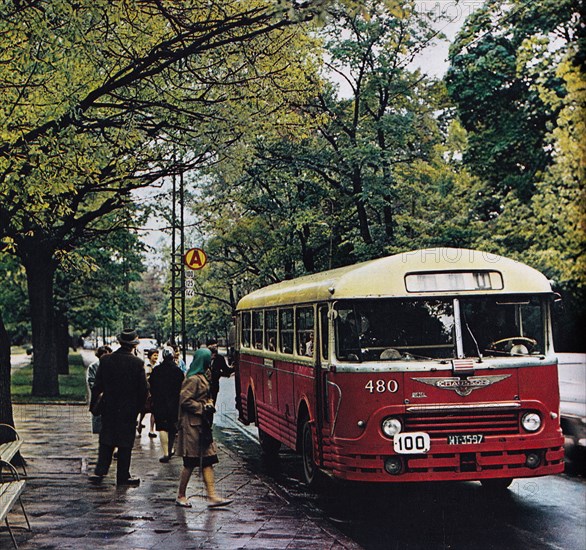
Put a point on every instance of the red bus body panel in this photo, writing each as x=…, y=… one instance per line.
x=352, y=445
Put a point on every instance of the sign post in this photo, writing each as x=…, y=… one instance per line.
x=195, y=258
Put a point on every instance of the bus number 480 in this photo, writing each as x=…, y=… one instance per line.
x=381, y=386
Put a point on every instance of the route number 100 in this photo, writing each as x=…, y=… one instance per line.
x=411, y=443
x=381, y=386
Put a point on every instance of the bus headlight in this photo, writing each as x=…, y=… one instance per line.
x=531, y=421
x=391, y=426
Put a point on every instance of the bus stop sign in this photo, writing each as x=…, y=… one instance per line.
x=195, y=258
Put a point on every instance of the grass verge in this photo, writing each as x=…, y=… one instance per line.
x=72, y=386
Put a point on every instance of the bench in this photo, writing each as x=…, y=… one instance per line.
x=9, y=449
x=10, y=492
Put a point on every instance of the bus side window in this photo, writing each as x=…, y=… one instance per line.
x=271, y=330
x=305, y=336
x=286, y=330
x=245, y=336
x=324, y=335
x=257, y=329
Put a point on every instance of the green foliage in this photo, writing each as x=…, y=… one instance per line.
x=100, y=288
x=153, y=300
x=370, y=174
x=101, y=98
x=501, y=57
x=14, y=305
x=520, y=89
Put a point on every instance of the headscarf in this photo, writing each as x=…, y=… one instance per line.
x=201, y=362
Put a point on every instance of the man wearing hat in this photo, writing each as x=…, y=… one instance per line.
x=122, y=384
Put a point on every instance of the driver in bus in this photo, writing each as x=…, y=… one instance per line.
x=348, y=336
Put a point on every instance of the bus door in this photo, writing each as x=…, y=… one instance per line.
x=268, y=379
x=321, y=376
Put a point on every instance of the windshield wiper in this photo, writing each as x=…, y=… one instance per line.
x=472, y=336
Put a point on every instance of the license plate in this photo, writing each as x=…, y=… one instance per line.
x=411, y=443
x=470, y=439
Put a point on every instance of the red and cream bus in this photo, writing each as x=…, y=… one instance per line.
x=435, y=364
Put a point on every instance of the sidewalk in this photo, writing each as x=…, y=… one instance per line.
x=68, y=512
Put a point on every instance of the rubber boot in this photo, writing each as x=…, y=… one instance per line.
x=208, y=479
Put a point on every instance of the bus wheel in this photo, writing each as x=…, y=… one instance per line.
x=269, y=445
x=496, y=485
x=311, y=473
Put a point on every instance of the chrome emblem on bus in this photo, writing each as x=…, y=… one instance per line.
x=463, y=386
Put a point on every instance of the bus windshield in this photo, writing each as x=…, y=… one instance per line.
x=401, y=329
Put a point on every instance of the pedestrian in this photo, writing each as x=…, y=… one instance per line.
x=219, y=368
x=165, y=384
x=179, y=360
x=309, y=345
x=152, y=359
x=194, y=439
x=121, y=388
x=90, y=377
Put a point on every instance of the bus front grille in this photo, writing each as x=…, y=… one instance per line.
x=464, y=422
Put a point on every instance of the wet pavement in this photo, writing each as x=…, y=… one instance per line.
x=66, y=511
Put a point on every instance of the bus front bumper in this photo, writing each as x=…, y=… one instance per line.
x=509, y=457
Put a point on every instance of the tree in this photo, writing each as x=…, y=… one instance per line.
x=14, y=300
x=552, y=226
x=5, y=400
x=517, y=76
x=96, y=286
x=153, y=299
x=101, y=98
x=387, y=121
x=496, y=63
x=372, y=173
x=13, y=318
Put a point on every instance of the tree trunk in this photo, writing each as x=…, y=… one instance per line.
x=40, y=271
x=6, y=416
x=232, y=299
x=363, y=224
x=389, y=222
x=307, y=252
x=387, y=178
x=62, y=341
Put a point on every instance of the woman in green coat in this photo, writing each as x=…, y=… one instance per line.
x=194, y=439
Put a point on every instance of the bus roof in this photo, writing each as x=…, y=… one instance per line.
x=389, y=276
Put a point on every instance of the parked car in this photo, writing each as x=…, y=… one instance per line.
x=572, y=379
x=145, y=345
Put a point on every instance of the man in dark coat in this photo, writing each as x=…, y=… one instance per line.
x=165, y=382
x=122, y=382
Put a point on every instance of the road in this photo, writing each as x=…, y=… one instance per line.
x=548, y=513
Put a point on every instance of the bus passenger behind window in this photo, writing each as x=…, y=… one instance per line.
x=309, y=345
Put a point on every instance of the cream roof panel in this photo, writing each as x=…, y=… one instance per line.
x=385, y=277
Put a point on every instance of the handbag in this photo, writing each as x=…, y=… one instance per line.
x=97, y=404
x=206, y=437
